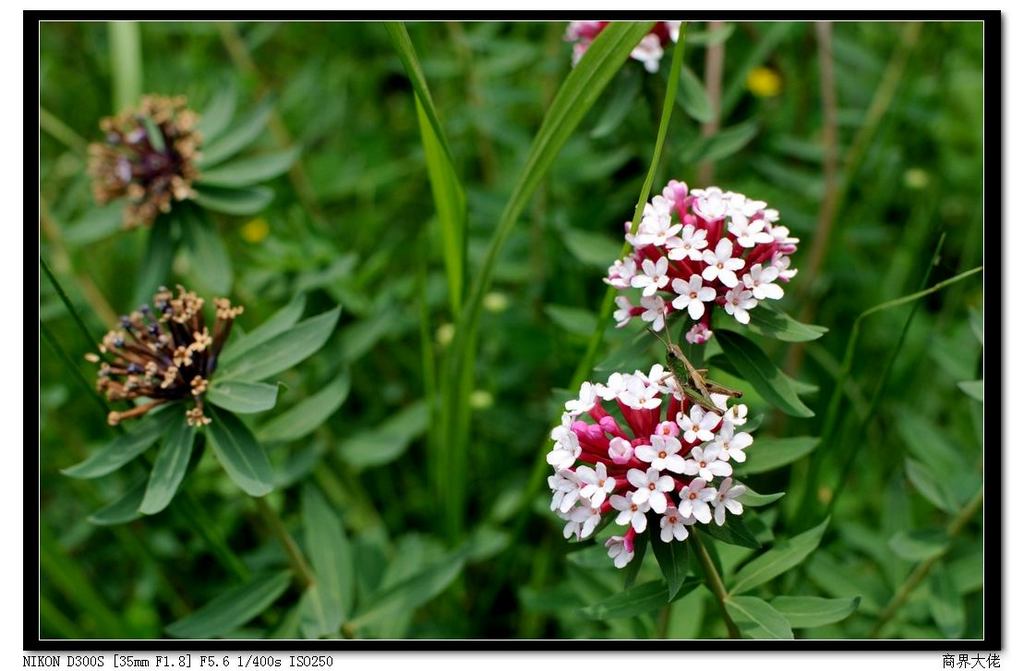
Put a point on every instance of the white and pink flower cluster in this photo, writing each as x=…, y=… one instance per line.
x=646, y=449
x=695, y=250
x=649, y=51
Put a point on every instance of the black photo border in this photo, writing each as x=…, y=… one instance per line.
x=992, y=356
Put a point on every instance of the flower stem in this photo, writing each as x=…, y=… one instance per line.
x=925, y=567
x=714, y=582
x=276, y=526
x=67, y=303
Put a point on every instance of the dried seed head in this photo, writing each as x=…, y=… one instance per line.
x=163, y=353
x=148, y=155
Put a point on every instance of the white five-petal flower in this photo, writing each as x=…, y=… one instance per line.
x=650, y=487
x=618, y=552
x=673, y=525
x=653, y=277
x=726, y=499
x=688, y=245
x=704, y=463
x=731, y=444
x=623, y=314
x=693, y=500
x=699, y=425
x=721, y=264
x=586, y=400
x=655, y=310
x=737, y=301
x=662, y=453
x=692, y=296
x=596, y=483
x=760, y=282
x=749, y=232
x=631, y=511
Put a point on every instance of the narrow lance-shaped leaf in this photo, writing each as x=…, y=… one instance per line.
x=783, y=556
x=757, y=369
x=250, y=170
x=169, y=467
x=236, y=200
x=304, y=417
x=639, y=600
x=123, y=509
x=233, y=608
x=755, y=618
x=242, y=397
x=156, y=263
x=673, y=559
x=217, y=114
x=814, y=611
x=772, y=323
x=279, y=322
x=238, y=452
x=125, y=447
x=282, y=351
x=411, y=593
x=767, y=454
x=331, y=557
x=236, y=138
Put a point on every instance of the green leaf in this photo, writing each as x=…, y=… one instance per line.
x=757, y=369
x=242, y=397
x=721, y=145
x=785, y=554
x=304, y=417
x=639, y=600
x=386, y=442
x=123, y=509
x=673, y=558
x=330, y=555
x=757, y=619
x=282, y=351
x=211, y=263
x=973, y=388
x=236, y=200
x=232, y=608
x=574, y=320
x=126, y=446
x=411, y=593
x=814, y=611
x=318, y=614
x=217, y=115
x=772, y=323
x=930, y=488
x=236, y=138
x=155, y=270
x=752, y=499
x=238, y=452
x=694, y=98
x=945, y=603
x=734, y=532
x=97, y=223
x=169, y=468
x=279, y=322
x=590, y=248
x=450, y=203
x=250, y=170
x=623, y=99
x=767, y=454
x=919, y=544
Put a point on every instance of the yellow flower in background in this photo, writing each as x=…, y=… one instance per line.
x=764, y=82
x=256, y=230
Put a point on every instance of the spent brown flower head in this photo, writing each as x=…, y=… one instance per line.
x=163, y=353
x=148, y=156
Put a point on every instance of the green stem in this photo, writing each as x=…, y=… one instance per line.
x=832, y=414
x=276, y=526
x=61, y=131
x=51, y=340
x=714, y=582
x=922, y=570
x=876, y=398
x=67, y=303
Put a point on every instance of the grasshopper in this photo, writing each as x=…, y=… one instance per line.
x=693, y=381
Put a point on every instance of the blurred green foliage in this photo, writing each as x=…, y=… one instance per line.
x=354, y=223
